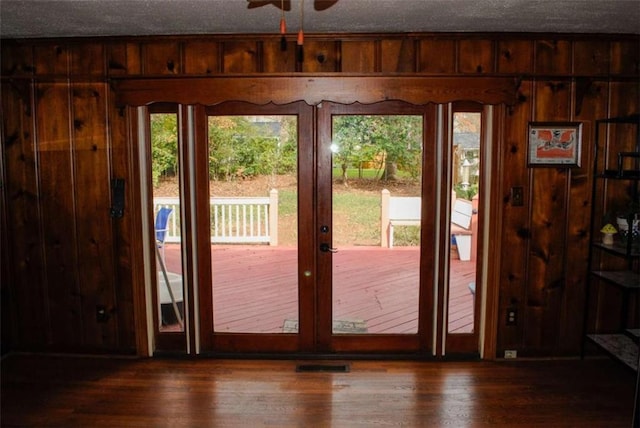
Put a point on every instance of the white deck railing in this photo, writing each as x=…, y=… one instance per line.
x=233, y=220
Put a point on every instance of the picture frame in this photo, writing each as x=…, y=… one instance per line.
x=554, y=144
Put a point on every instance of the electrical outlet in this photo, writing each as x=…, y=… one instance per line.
x=517, y=197
x=102, y=315
x=511, y=353
x=512, y=316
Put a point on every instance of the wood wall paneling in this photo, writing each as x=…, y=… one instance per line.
x=161, y=58
x=493, y=238
x=593, y=106
x=625, y=58
x=58, y=205
x=201, y=57
x=240, y=57
x=92, y=202
x=17, y=59
x=398, y=55
x=578, y=240
x=321, y=56
x=437, y=56
x=549, y=217
x=26, y=299
x=116, y=59
x=553, y=101
x=134, y=58
x=625, y=99
x=88, y=58
x=515, y=56
x=608, y=301
x=122, y=228
x=514, y=243
x=276, y=60
x=476, y=56
x=124, y=59
x=553, y=56
x=51, y=59
x=591, y=58
x=546, y=259
x=358, y=56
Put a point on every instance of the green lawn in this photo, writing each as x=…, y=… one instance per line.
x=354, y=173
x=356, y=220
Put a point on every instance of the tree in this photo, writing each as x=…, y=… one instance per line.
x=360, y=138
x=400, y=138
x=164, y=145
x=353, y=142
x=222, y=131
x=245, y=146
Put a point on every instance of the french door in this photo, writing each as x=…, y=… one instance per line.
x=297, y=293
x=374, y=298
x=259, y=263
x=288, y=245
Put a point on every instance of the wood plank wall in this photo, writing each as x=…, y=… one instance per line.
x=63, y=139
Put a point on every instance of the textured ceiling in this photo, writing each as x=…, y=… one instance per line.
x=73, y=18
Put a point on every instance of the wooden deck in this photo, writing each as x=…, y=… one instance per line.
x=255, y=289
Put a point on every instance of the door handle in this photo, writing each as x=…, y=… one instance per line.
x=325, y=248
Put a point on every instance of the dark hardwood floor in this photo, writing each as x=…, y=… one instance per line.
x=60, y=391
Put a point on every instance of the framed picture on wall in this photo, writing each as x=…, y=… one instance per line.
x=556, y=144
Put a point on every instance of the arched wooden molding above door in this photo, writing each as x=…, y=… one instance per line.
x=316, y=89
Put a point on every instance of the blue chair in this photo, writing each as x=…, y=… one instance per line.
x=161, y=228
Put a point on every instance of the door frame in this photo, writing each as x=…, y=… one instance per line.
x=463, y=343
x=421, y=342
x=134, y=94
x=219, y=343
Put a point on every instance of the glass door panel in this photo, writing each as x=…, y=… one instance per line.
x=465, y=166
x=253, y=182
x=376, y=200
x=167, y=251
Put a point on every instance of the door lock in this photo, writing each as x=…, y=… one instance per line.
x=325, y=248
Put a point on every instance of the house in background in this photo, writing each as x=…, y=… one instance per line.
x=74, y=106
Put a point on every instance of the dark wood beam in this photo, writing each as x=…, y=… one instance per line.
x=313, y=90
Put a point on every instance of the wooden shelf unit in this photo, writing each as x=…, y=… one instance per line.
x=615, y=265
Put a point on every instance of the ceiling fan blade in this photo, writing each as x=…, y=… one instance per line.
x=320, y=5
x=277, y=3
